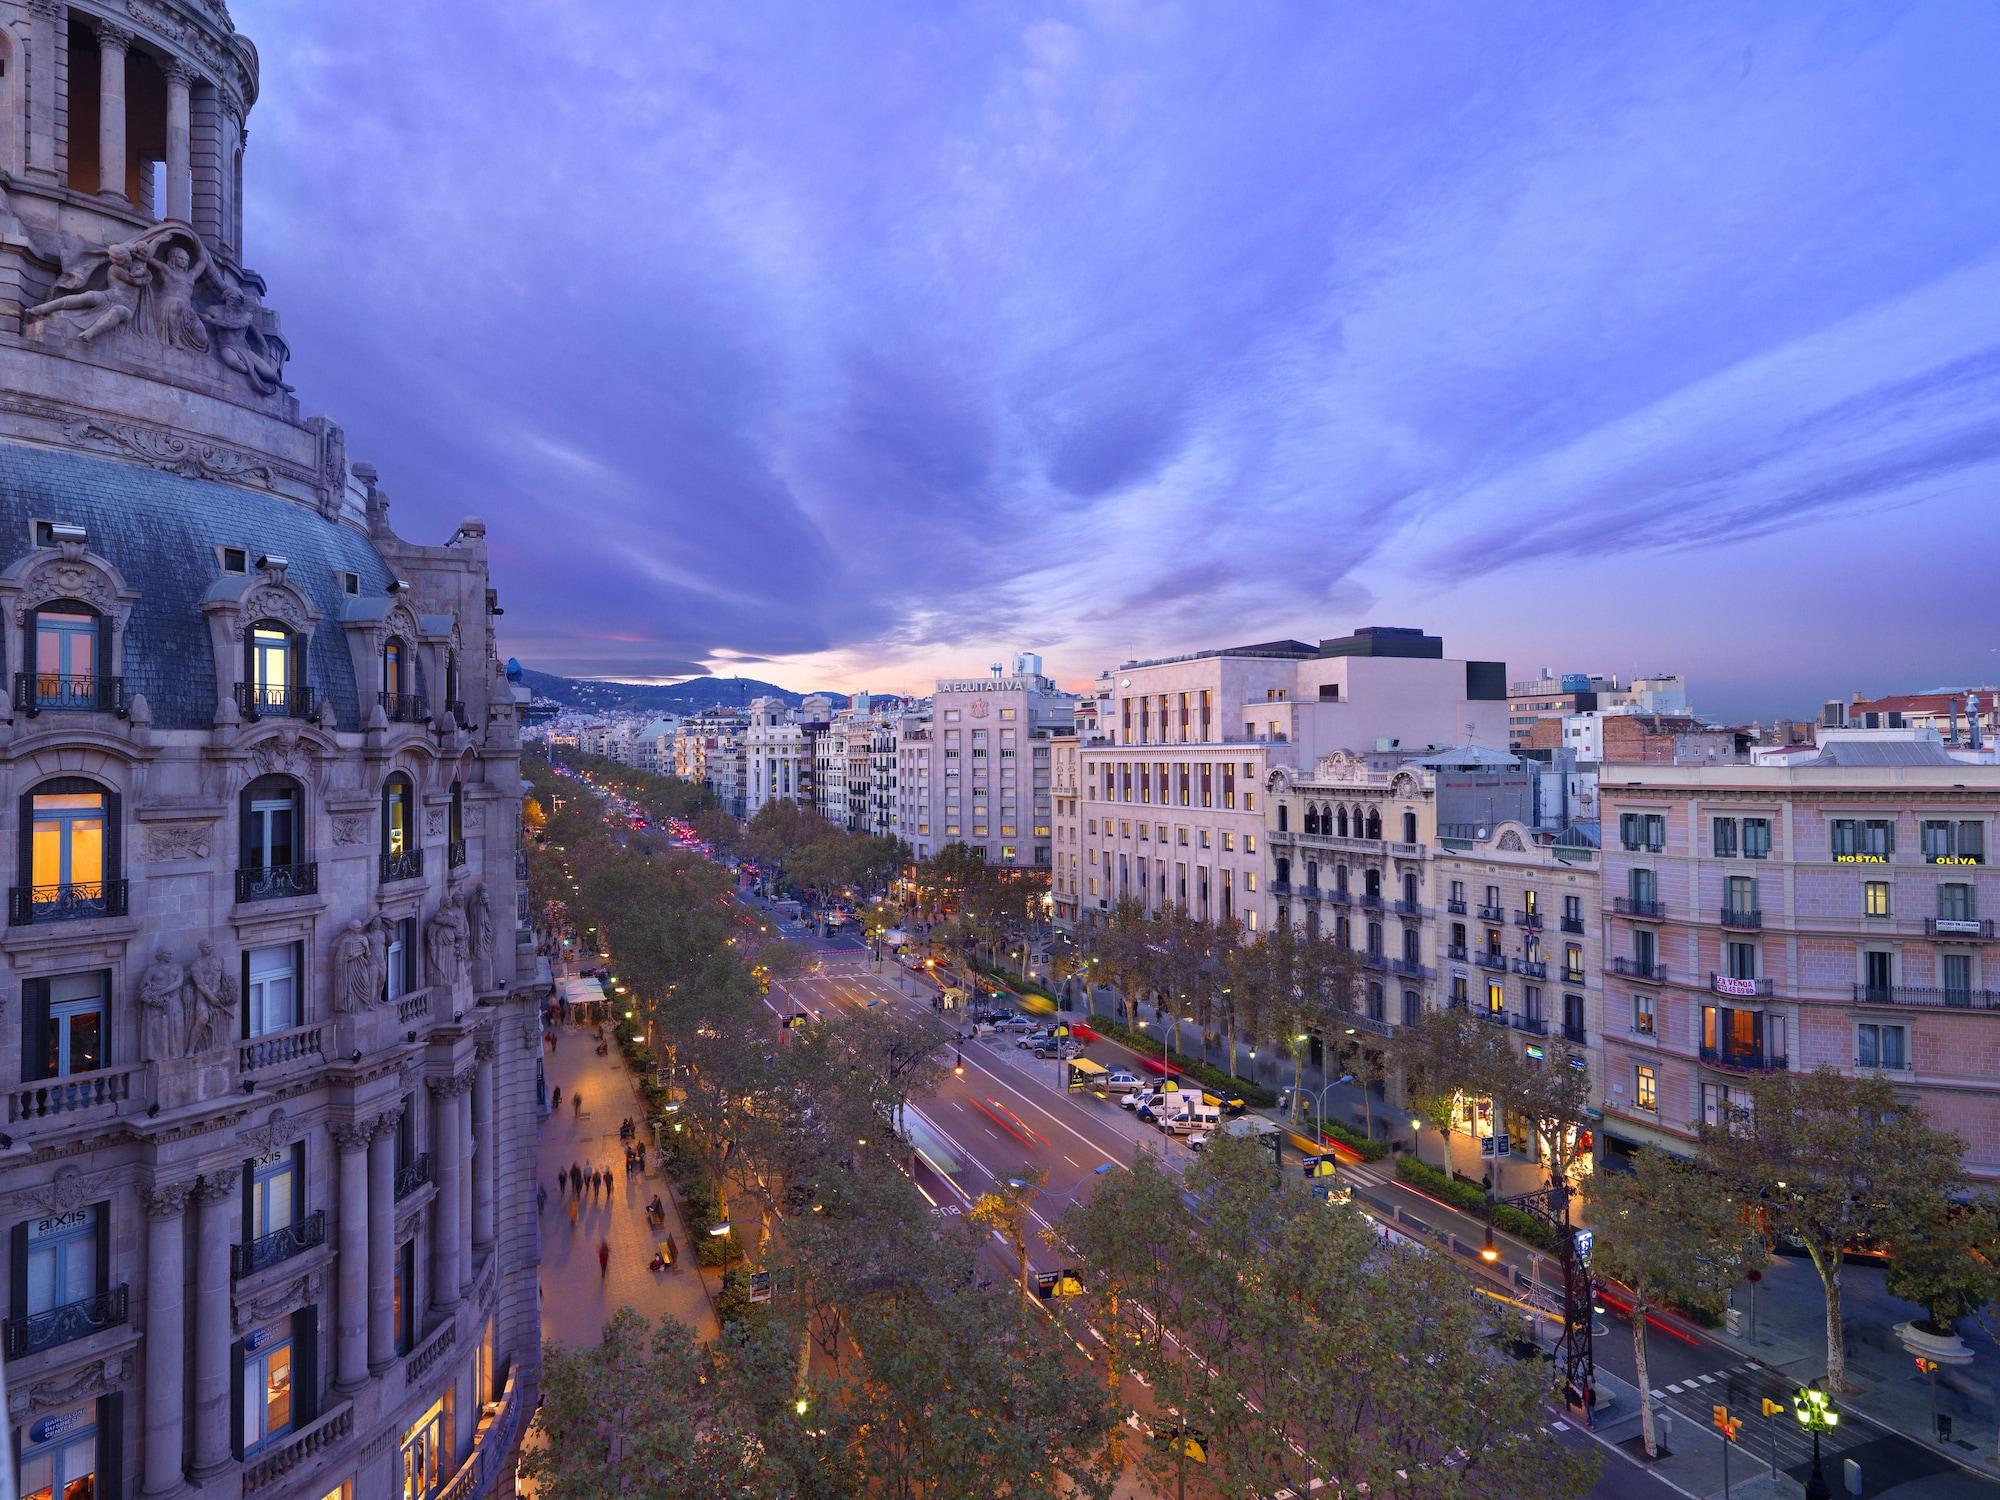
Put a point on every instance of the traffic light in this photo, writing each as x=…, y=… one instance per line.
x=1772, y=1408
x=1925, y=1366
x=1725, y=1424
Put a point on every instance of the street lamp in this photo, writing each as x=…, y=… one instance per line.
x=1814, y=1409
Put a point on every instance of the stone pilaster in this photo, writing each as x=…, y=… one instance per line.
x=166, y=1352
x=351, y=1138
x=485, y=1152
x=448, y=1172
x=382, y=1244
x=220, y=1195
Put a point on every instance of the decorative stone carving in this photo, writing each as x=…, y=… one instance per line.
x=1342, y=767
x=215, y=1186
x=353, y=1135
x=244, y=346
x=447, y=944
x=479, y=911
x=530, y=1034
x=211, y=1002
x=350, y=828
x=283, y=753
x=65, y=1192
x=168, y=452
x=163, y=1002
x=1510, y=841
x=177, y=841
x=434, y=822
x=167, y=1199
x=111, y=37
x=149, y=284
x=274, y=1134
x=290, y=1297
x=65, y=578
x=360, y=965
x=98, y=1378
x=275, y=600
x=450, y=1088
x=484, y=1048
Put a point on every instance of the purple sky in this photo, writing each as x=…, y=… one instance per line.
x=846, y=344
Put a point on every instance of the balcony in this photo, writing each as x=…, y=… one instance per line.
x=1648, y=846
x=277, y=1049
x=407, y=864
x=1903, y=994
x=1739, y=989
x=1960, y=929
x=1457, y=1002
x=1741, y=916
x=1533, y=1025
x=1409, y=968
x=454, y=854
x=1638, y=906
x=1755, y=1060
x=413, y=1008
x=272, y=1463
x=454, y=709
x=1455, y=906
x=78, y=901
x=277, y=882
x=1408, y=909
x=260, y=700
x=279, y=1245
x=1529, y=919
x=1574, y=1033
x=1401, y=850
x=1573, y=924
x=1492, y=914
x=412, y=1175
x=1370, y=903
x=1456, y=951
x=65, y=692
x=1281, y=888
x=66, y=1324
x=1533, y=968
x=1639, y=968
x=1497, y=1017
x=404, y=708
x=73, y=1097
x=1494, y=961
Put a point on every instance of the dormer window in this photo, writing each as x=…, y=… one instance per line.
x=235, y=560
x=72, y=647
x=274, y=673
x=399, y=679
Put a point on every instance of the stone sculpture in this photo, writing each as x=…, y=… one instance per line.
x=243, y=346
x=128, y=277
x=480, y=909
x=355, y=985
x=446, y=943
x=211, y=1000
x=162, y=996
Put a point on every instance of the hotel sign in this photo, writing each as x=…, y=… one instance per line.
x=1861, y=859
x=1957, y=859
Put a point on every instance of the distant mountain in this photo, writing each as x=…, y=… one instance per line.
x=655, y=698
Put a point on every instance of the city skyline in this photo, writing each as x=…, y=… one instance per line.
x=1610, y=358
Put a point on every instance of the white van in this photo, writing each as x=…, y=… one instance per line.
x=1178, y=1113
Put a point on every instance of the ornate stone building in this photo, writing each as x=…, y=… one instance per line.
x=269, y=1051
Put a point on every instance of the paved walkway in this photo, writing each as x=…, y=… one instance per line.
x=576, y=1304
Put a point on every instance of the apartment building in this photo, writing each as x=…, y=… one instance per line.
x=776, y=757
x=882, y=764
x=1168, y=809
x=1599, y=737
x=829, y=759
x=1835, y=911
x=1549, y=696
x=985, y=777
x=914, y=789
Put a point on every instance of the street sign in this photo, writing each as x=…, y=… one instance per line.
x=760, y=1286
x=1584, y=1240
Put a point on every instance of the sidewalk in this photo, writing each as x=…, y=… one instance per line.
x=575, y=1304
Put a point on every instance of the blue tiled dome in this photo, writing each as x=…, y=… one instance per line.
x=162, y=532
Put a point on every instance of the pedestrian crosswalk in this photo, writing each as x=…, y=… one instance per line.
x=1742, y=1388
x=1362, y=1174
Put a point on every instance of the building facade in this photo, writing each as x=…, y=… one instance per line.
x=273, y=1087
x=1773, y=917
x=777, y=764
x=985, y=781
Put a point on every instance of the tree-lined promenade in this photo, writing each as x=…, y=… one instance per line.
x=896, y=1362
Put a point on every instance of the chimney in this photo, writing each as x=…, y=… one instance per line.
x=1972, y=713
x=1954, y=721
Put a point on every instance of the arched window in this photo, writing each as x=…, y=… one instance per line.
x=271, y=860
x=1375, y=939
x=1374, y=824
x=401, y=858
x=1312, y=874
x=1284, y=817
x=70, y=865
x=1409, y=890
x=1409, y=945
x=71, y=647
x=274, y=672
x=399, y=682
x=1284, y=874
x=1340, y=819
x=393, y=664
x=1372, y=884
x=1409, y=828
x=1374, y=1001
x=1340, y=879
x=453, y=698
x=456, y=830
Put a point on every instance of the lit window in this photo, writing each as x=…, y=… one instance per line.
x=1648, y=1089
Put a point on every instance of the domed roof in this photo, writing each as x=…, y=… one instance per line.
x=163, y=532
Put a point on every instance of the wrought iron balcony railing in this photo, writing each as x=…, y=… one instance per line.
x=408, y=864
x=404, y=708
x=1960, y=929
x=1455, y=906
x=276, y=882
x=1638, y=906
x=1533, y=1025
x=1745, y=989
x=1531, y=919
x=1494, y=961
x=1533, y=968
x=260, y=700
x=1573, y=924
x=279, y=1245
x=1741, y=916
x=1492, y=914
x=412, y=1175
x=34, y=1332
x=77, y=901
x=68, y=692
x=1755, y=1060
x=1638, y=968
x=1903, y=994
x=455, y=853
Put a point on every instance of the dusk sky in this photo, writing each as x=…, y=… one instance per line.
x=849, y=344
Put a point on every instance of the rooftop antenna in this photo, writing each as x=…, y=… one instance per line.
x=996, y=669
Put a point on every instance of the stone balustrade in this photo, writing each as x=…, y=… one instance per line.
x=300, y=1045
x=302, y=1446
x=100, y=1093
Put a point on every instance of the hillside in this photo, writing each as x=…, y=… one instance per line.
x=664, y=698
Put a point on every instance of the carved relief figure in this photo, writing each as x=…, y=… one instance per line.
x=162, y=996
x=130, y=276
x=354, y=978
x=243, y=346
x=480, y=909
x=211, y=1002
x=166, y=311
x=446, y=944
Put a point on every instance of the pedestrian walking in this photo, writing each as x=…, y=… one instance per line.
x=556, y=1098
x=642, y=1156
x=603, y=1258
x=541, y=1200
x=576, y=1103
x=572, y=1216
x=575, y=1180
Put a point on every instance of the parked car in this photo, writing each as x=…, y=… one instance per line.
x=1118, y=1081
x=1198, y=1140
x=1138, y=1098
x=1058, y=1047
x=1033, y=1039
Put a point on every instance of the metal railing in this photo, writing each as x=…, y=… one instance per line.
x=1648, y=845
x=1904, y=994
x=257, y=700
x=68, y=692
x=277, y=882
x=1533, y=968
x=404, y=708
x=1492, y=914
x=1455, y=951
x=1533, y=1025
x=1494, y=961
x=1574, y=1034
x=412, y=1175
x=1573, y=924
x=1408, y=908
x=407, y=865
x=1638, y=906
x=1497, y=1017
x=1739, y=988
x=279, y=1245
x=72, y=1094
x=1634, y=968
x=455, y=710
x=1741, y=916
x=33, y=1332
x=1531, y=919
x=1756, y=1060
x=77, y=901
x=454, y=853
x=1455, y=907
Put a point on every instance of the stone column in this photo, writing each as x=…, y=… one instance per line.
x=483, y=1150
x=180, y=172
x=47, y=16
x=447, y=1171
x=166, y=1313
x=466, y=1179
x=112, y=43
x=351, y=1138
x=221, y=1197
x=382, y=1245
